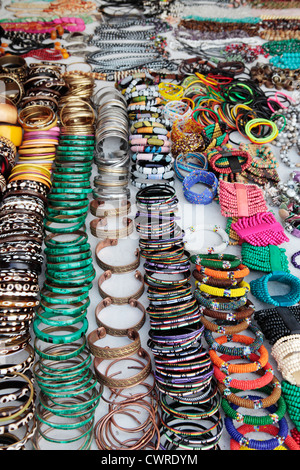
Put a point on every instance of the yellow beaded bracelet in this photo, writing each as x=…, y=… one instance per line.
x=240, y=291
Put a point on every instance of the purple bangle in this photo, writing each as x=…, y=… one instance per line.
x=293, y=259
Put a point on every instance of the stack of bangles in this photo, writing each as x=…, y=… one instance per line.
x=128, y=355
x=183, y=371
x=111, y=203
x=149, y=139
x=69, y=391
x=22, y=212
x=221, y=291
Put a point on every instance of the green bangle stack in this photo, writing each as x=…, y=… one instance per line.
x=70, y=392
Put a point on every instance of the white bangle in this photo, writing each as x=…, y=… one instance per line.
x=193, y=245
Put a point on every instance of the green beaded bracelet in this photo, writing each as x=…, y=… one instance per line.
x=252, y=419
x=216, y=261
x=265, y=258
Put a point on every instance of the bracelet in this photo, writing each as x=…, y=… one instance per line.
x=276, y=443
x=200, y=176
x=240, y=200
x=268, y=258
x=120, y=300
x=192, y=244
x=251, y=346
x=261, y=229
x=112, y=353
x=189, y=162
x=260, y=290
x=98, y=231
x=119, y=331
x=230, y=411
x=115, y=269
x=116, y=384
x=242, y=289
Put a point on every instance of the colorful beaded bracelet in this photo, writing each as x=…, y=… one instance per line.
x=193, y=245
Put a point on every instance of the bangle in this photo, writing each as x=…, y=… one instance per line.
x=218, y=261
x=120, y=300
x=113, y=383
x=250, y=346
x=119, y=331
x=241, y=290
x=258, y=122
x=189, y=162
x=276, y=443
x=200, y=176
x=115, y=269
x=113, y=353
x=100, y=208
x=99, y=232
x=192, y=244
x=230, y=411
x=259, y=289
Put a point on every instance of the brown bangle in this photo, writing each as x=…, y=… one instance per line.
x=112, y=353
x=128, y=382
x=115, y=269
x=250, y=404
x=99, y=208
x=225, y=330
x=241, y=313
x=119, y=331
x=121, y=300
x=123, y=232
x=213, y=281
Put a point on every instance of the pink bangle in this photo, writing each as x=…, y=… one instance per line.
x=261, y=229
x=244, y=384
x=240, y=200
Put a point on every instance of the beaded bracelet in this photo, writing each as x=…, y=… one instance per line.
x=240, y=200
x=219, y=261
x=259, y=289
x=200, y=176
x=217, y=343
x=261, y=229
x=241, y=290
x=269, y=444
x=230, y=411
x=214, y=303
x=245, y=443
x=265, y=258
x=277, y=323
x=192, y=244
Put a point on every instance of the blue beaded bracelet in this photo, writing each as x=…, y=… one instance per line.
x=269, y=444
x=259, y=288
x=200, y=176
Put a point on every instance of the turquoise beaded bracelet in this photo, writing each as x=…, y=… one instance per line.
x=259, y=288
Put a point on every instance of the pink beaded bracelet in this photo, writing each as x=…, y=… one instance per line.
x=261, y=229
x=240, y=200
